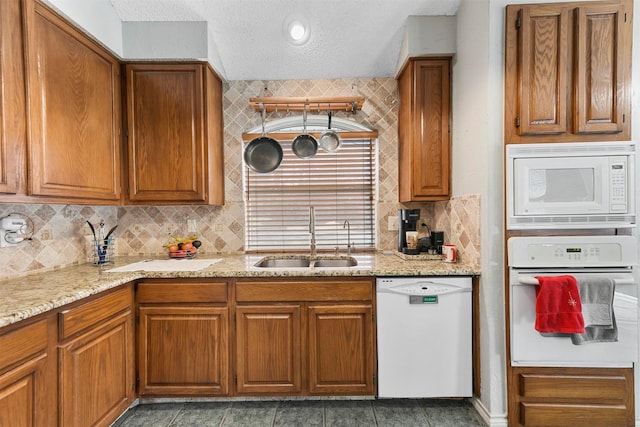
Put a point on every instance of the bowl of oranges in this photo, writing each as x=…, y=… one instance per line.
x=183, y=247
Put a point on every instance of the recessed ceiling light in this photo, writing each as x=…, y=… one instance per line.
x=296, y=30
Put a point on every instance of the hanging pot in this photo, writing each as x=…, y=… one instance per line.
x=263, y=154
x=304, y=146
x=329, y=140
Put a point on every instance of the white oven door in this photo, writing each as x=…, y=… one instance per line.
x=530, y=348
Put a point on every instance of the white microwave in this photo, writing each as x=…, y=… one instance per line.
x=570, y=185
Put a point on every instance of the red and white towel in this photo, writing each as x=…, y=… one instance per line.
x=558, y=305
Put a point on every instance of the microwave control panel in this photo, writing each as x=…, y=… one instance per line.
x=618, y=180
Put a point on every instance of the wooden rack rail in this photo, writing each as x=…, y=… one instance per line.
x=326, y=103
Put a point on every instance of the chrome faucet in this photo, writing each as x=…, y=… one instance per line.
x=312, y=230
x=347, y=225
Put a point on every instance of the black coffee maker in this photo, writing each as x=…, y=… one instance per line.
x=408, y=221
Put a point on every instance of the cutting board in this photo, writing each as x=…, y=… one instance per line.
x=166, y=265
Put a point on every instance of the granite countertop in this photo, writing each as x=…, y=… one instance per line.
x=24, y=297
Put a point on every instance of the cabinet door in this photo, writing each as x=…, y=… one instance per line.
x=543, y=69
x=268, y=345
x=19, y=392
x=96, y=377
x=183, y=350
x=26, y=399
x=341, y=349
x=568, y=72
x=600, y=69
x=166, y=151
x=12, y=100
x=424, y=161
x=73, y=88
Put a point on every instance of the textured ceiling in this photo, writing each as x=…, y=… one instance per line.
x=349, y=38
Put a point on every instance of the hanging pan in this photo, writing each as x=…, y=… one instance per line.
x=263, y=154
x=329, y=140
x=304, y=146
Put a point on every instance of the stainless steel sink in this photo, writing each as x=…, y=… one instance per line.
x=305, y=262
x=335, y=262
x=284, y=262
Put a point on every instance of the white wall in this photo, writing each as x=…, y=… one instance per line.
x=165, y=40
x=635, y=136
x=477, y=146
x=478, y=95
x=97, y=17
x=427, y=36
x=141, y=40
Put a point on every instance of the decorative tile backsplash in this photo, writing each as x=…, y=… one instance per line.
x=142, y=230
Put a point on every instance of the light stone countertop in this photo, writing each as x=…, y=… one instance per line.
x=28, y=296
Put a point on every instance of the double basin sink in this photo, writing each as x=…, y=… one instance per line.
x=306, y=262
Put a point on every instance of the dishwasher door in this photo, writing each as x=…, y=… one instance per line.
x=424, y=337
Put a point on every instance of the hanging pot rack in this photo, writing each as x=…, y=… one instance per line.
x=349, y=104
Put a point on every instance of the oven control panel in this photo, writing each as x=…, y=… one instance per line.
x=569, y=254
x=575, y=251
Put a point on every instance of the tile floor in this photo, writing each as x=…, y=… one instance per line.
x=298, y=413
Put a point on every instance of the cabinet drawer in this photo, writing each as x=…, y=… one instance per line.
x=299, y=290
x=599, y=388
x=181, y=292
x=578, y=415
x=77, y=319
x=23, y=343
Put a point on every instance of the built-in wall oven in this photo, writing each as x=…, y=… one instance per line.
x=584, y=258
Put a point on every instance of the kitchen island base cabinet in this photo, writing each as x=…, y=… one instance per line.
x=96, y=360
x=305, y=337
x=183, y=339
x=26, y=384
x=571, y=397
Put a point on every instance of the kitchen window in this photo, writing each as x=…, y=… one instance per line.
x=341, y=186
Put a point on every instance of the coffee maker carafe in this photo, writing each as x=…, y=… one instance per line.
x=408, y=221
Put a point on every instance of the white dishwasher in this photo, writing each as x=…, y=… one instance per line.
x=424, y=336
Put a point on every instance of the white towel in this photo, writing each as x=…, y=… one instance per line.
x=596, y=294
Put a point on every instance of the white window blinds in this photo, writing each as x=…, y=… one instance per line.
x=340, y=186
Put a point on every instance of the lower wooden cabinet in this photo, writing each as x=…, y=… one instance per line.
x=341, y=349
x=269, y=352
x=183, y=339
x=305, y=337
x=571, y=397
x=96, y=360
x=26, y=384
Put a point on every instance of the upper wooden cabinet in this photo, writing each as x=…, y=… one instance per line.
x=424, y=151
x=12, y=100
x=73, y=112
x=568, y=72
x=174, y=143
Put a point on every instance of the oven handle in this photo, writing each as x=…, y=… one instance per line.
x=531, y=280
